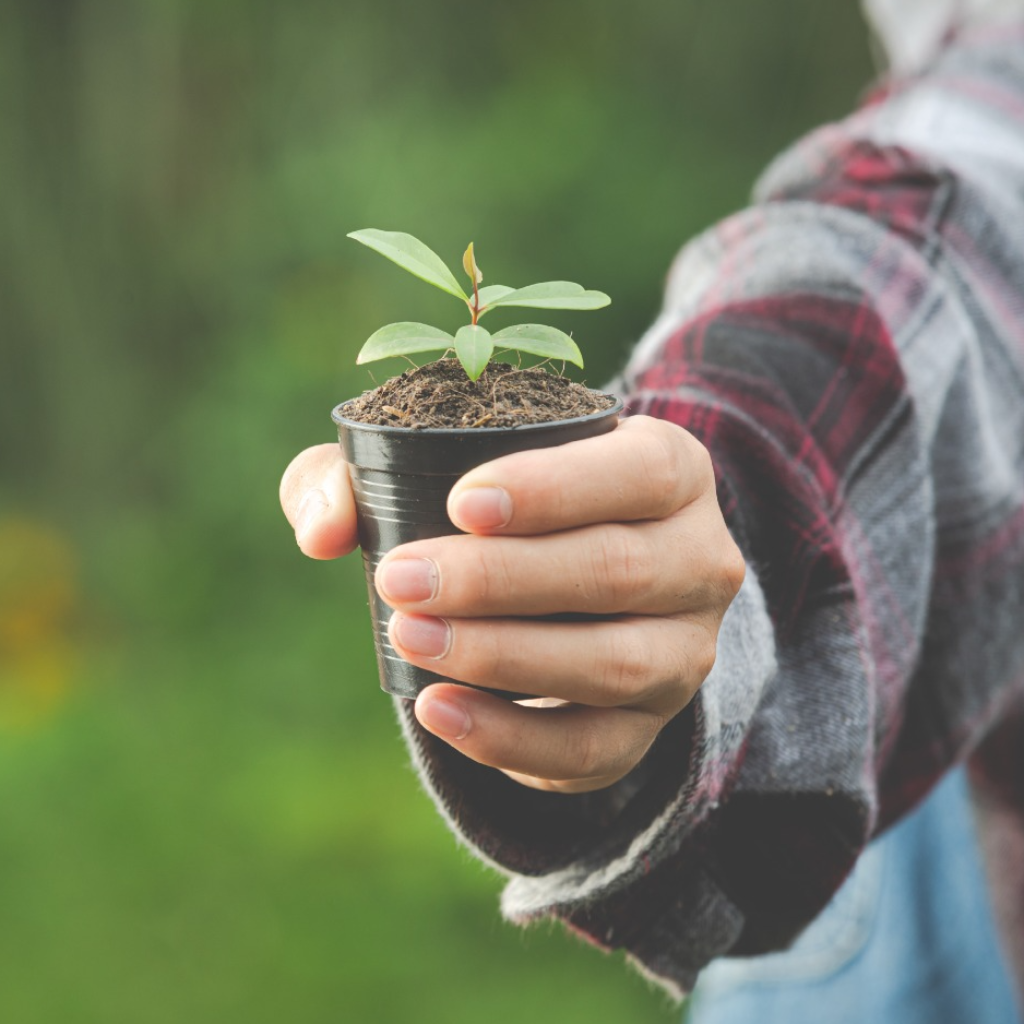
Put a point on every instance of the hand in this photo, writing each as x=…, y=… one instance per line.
x=625, y=527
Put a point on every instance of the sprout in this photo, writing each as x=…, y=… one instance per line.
x=473, y=344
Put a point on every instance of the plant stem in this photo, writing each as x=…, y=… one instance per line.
x=475, y=309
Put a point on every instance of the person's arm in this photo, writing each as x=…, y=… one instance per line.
x=849, y=351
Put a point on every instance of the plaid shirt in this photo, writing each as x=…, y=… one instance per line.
x=851, y=351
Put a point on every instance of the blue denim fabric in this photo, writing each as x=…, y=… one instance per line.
x=909, y=939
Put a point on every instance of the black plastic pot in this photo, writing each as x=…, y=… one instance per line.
x=401, y=479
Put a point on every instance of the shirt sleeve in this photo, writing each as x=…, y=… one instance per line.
x=851, y=351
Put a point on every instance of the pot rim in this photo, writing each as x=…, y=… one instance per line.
x=525, y=428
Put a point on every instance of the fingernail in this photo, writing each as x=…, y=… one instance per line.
x=407, y=579
x=312, y=506
x=444, y=718
x=421, y=634
x=483, y=508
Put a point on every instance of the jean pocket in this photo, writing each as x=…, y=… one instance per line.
x=834, y=939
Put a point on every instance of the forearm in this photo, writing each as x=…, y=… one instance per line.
x=849, y=353
x=857, y=374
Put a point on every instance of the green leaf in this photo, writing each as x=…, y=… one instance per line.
x=492, y=292
x=553, y=295
x=403, y=339
x=539, y=340
x=473, y=346
x=412, y=255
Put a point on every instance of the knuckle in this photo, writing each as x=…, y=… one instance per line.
x=717, y=566
x=697, y=459
x=626, y=676
x=475, y=653
x=588, y=753
x=700, y=459
x=662, y=463
x=704, y=656
x=307, y=469
x=487, y=578
x=734, y=570
x=724, y=572
x=676, y=464
x=622, y=566
x=690, y=663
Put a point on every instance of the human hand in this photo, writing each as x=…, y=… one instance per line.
x=624, y=527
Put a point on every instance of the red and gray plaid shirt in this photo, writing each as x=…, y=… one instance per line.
x=851, y=351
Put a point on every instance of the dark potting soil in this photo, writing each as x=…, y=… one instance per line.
x=441, y=395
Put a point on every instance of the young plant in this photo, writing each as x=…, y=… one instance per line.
x=473, y=344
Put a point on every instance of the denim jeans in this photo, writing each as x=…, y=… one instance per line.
x=908, y=939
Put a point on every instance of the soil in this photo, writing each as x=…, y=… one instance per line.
x=441, y=395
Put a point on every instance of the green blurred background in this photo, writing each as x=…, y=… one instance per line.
x=206, y=813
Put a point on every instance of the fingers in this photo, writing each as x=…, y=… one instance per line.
x=624, y=528
x=570, y=749
x=644, y=469
x=316, y=498
x=651, y=663
x=649, y=568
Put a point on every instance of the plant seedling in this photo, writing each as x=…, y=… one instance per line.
x=473, y=345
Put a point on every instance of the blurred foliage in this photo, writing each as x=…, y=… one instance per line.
x=207, y=812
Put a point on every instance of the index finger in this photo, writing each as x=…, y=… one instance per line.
x=644, y=469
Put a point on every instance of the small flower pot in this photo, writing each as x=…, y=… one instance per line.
x=401, y=479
